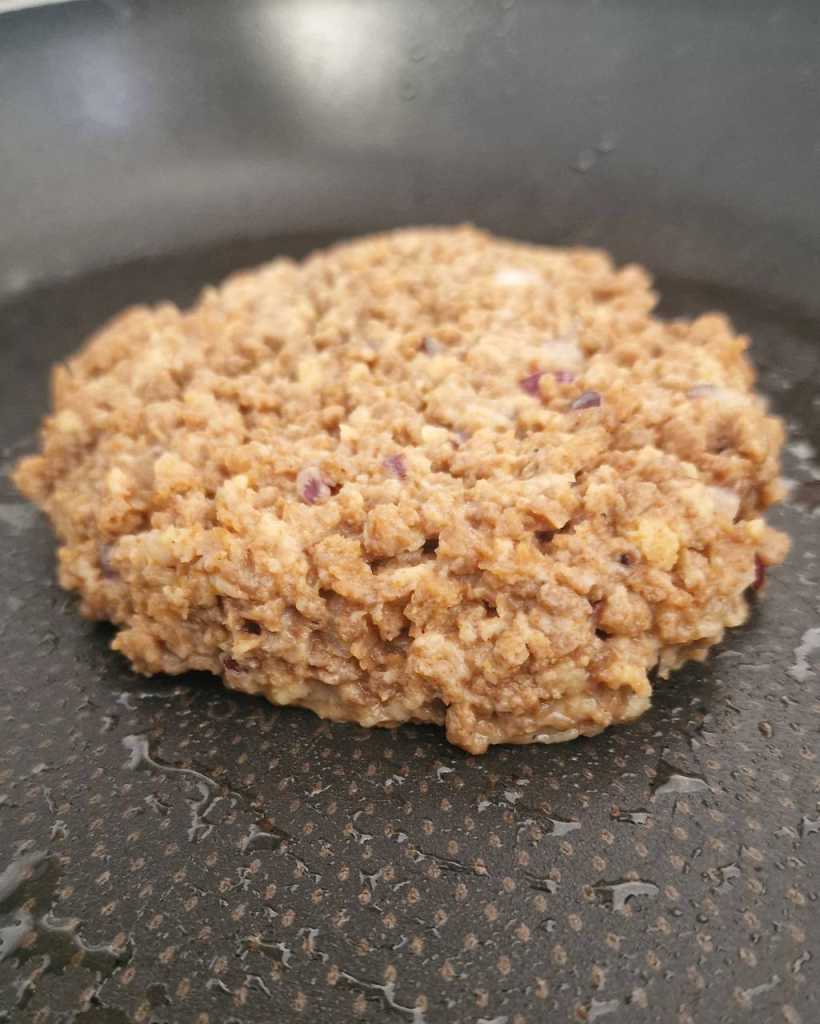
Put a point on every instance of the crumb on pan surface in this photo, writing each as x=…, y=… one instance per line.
x=427, y=476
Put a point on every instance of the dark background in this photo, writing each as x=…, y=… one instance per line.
x=177, y=853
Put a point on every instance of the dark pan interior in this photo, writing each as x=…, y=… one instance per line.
x=176, y=853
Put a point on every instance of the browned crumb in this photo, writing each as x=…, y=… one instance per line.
x=427, y=476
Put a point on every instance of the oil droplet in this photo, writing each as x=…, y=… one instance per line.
x=616, y=895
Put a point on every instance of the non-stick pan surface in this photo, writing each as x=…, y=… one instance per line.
x=172, y=852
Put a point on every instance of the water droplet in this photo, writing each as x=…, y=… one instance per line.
x=585, y=161
x=309, y=936
x=633, y=817
x=59, y=831
x=748, y=995
x=599, y=1008
x=616, y=895
x=801, y=670
x=264, y=835
x=254, y=981
x=279, y=952
x=671, y=781
x=809, y=826
x=728, y=874
x=140, y=759
x=806, y=495
x=158, y=805
x=360, y=837
x=27, y=896
x=542, y=884
x=562, y=828
x=157, y=995
x=606, y=144
x=387, y=993
x=29, y=876
x=797, y=965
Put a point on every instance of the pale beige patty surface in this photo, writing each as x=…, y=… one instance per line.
x=429, y=476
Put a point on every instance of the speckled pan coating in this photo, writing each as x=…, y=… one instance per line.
x=427, y=476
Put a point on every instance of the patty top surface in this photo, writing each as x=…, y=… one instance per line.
x=428, y=475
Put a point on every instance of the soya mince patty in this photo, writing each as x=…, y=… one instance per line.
x=427, y=476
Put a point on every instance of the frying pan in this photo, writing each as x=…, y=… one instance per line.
x=172, y=852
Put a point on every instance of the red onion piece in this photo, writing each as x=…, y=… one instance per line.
x=311, y=487
x=530, y=384
x=586, y=400
x=564, y=376
x=397, y=465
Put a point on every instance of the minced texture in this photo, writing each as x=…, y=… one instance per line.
x=427, y=476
